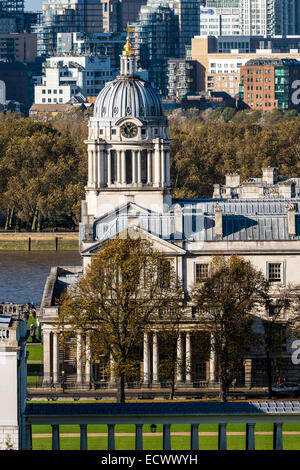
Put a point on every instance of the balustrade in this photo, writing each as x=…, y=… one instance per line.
x=166, y=414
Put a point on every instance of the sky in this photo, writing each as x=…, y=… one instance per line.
x=33, y=5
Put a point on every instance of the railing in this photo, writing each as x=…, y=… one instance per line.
x=166, y=414
x=11, y=308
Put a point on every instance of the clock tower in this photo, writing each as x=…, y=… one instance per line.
x=128, y=145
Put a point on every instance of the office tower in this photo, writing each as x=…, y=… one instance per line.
x=157, y=40
x=188, y=12
x=220, y=18
x=83, y=16
x=11, y=16
x=118, y=13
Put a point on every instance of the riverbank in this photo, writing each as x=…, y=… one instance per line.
x=39, y=241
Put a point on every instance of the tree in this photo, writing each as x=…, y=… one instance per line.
x=169, y=322
x=275, y=329
x=119, y=296
x=226, y=301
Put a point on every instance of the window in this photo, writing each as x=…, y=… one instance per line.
x=274, y=272
x=164, y=273
x=273, y=310
x=201, y=272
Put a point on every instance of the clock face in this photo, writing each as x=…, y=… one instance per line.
x=129, y=130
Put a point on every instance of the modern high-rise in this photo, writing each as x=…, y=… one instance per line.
x=59, y=16
x=188, y=12
x=156, y=39
x=220, y=21
x=250, y=17
x=118, y=13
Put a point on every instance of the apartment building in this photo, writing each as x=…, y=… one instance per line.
x=269, y=83
x=220, y=59
x=66, y=77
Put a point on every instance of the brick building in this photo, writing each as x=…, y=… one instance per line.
x=270, y=83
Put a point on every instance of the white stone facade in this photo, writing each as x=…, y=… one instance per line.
x=66, y=77
x=13, y=390
x=128, y=125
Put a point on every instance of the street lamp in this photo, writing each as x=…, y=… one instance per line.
x=153, y=427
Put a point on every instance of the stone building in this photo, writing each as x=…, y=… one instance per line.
x=129, y=186
x=13, y=390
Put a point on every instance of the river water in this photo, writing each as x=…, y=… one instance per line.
x=23, y=274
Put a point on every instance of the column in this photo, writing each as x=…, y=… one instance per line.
x=250, y=436
x=163, y=169
x=179, y=360
x=99, y=166
x=212, y=361
x=83, y=437
x=149, y=167
x=88, y=359
x=28, y=436
x=123, y=167
x=119, y=165
x=111, y=436
x=168, y=176
x=139, y=157
x=222, y=438
x=248, y=372
x=277, y=436
x=46, y=358
x=55, y=358
x=138, y=437
x=112, y=371
x=55, y=436
x=79, y=358
x=194, y=437
x=167, y=437
x=157, y=165
x=155, y=358
x=146, y=359
x=95, y=179
x=134, y=176
x=109, y=168
x=90, y=167
x=188, y=361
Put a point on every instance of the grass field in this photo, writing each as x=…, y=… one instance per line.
x=263, y=438
x=39, y=245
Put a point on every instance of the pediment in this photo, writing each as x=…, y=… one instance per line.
x=158, y=244
x=129, y=209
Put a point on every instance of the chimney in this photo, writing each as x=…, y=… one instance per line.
x=269, y=175
x=178, y=222
x=218, y=222
x=291, y=219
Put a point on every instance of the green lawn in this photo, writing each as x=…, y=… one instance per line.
x=155, y=442
x=35, y=352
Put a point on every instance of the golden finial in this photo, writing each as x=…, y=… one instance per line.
x=128, y=46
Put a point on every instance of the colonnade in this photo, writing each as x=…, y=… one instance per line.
x=51, y=359
x=150, y=372
x=184, y=358
x=122, y=167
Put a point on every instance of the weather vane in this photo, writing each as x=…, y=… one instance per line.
x=128, y=46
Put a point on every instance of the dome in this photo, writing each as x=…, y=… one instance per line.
x=128, y=97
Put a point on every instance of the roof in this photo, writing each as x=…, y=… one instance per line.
x=243, y=220
x=265, y=61
x=146, y=409
x=59, y=107
x=5, y=321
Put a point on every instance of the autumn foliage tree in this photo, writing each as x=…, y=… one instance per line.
x=226, y=301
x=119, y=296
